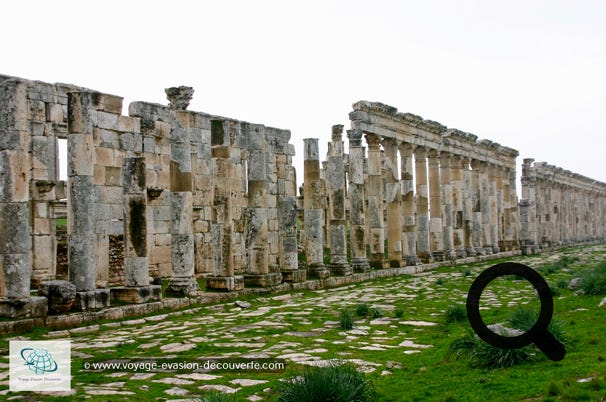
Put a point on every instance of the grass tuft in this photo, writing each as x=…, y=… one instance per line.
x=456, y=313
x=346, y=320
x=362, y=310
x=593, y=281
x=336, y=382
x=483, y=355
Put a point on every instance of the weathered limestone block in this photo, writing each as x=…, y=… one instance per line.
x=61, y=295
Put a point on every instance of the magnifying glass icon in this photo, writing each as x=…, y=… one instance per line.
x=538, y=334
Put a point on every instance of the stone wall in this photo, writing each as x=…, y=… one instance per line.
x=192, y=198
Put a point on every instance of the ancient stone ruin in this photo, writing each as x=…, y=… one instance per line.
x=187, y=197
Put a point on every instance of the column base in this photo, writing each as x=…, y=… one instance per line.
x=340, y=269
x=488, y=250
x=438, y=255
x=450, y=255
x=28, y=307
x=425, y=257
x=136, y=294
x=495, y=248
x=317, y=271
x=263, y=280
x=360, y=264
x=480, y=250
x=227, y=283
x=376, y=261
x=471, y=251
x=411, y=260
x=395, y=263
x=92, y=300
x=295, y=275
x=182, y=286
x=460, y=252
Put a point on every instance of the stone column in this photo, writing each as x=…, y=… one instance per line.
x=136, y=263
x=15, y=240
x=81, y=203
x=446, y=187
x=375, y=202
x=528, y=233
x=409, y=236
x=493, y=208
x=80, y=163
x=258, y=192
x=335, y=180
x=513, y=209
x=357, y=206
x=224, y=277
x=423, y=250
x=392, y=197
x=435, y=205
x=468, y=207
x=478, y=196
x=458, y=187
x=313, y=203
x=182, y=282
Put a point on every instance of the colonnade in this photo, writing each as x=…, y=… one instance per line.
x=559, y=207
x=418, y=191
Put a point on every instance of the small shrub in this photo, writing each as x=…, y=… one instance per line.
x=593, y=281
x=399, y=313
x=362, y=310
x=347, y=320
x=332, y=383
x=376, y=313
x=440, y=282
x=562, y=283
x=483, y=355
x=523, y=318
x=467, y=273
x=455, y=313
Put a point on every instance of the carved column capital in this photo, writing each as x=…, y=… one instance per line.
x=373, y=141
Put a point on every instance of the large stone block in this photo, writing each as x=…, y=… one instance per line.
x=81, y=261
x=136, y=271
x=61, y=295
x=14, y=228
x=81, y=191
x=16, y=271
x=92, y=300
x=181, y=210
x=14, y=176
x=182, y=255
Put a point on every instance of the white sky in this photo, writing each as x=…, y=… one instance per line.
x=527, y=74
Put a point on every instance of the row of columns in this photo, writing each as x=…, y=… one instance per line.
x=559, y=207
x=458, y=205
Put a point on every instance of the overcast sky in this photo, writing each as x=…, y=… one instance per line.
x=530, y=75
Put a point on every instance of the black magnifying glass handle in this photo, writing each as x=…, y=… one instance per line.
x=550, y=346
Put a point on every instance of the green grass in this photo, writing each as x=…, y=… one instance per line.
x=346, y=320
